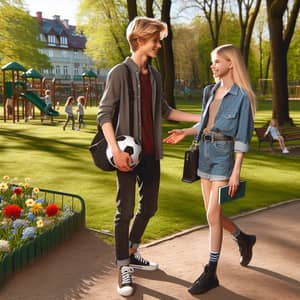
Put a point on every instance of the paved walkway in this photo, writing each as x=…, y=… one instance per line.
x=83, y=267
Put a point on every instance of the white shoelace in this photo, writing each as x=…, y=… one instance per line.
x=140, y=258
x=126, y=273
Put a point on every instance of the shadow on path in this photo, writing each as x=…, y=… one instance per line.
x=67, y=272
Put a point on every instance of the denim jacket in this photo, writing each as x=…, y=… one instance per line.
x=234, y=117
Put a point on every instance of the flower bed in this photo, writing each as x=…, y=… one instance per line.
x=33, y=220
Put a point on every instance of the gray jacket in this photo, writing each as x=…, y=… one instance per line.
x=116, y=93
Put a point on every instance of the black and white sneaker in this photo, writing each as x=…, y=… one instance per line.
x=125, y=287
x=138, y=262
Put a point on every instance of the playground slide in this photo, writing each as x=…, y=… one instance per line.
x=39, y=103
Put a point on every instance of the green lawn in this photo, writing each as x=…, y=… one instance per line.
x=60, y=160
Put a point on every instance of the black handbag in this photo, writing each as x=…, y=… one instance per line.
x=191, y=156
x=99, y=144
x=190, y=165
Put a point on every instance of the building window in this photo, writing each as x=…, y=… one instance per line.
x=64, y=41
x=76, y=71
x=51, y=40
x=65, y=70
x=57, y=69
x=42, y=37
x=75, y=52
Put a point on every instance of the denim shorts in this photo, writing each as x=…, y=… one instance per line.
x=216, y=160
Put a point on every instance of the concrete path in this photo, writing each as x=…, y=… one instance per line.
x=83, y=267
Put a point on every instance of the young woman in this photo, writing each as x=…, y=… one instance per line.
x=225, y=127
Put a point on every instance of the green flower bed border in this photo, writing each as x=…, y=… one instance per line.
x=20, y=257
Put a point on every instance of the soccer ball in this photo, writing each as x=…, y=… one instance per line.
x=130, y=145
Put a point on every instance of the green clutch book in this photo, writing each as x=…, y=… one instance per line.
x=223, y=192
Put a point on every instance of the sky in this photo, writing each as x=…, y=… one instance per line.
x=66, y=9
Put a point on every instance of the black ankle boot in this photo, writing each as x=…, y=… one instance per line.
x=245, y=243
x=207, y=280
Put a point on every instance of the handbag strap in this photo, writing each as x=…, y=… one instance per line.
x=207, y=95
x=131, y=98
x=131, y=102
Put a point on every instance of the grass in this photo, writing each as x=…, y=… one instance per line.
x=60, y=160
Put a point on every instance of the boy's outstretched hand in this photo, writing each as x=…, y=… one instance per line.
x=176, y=135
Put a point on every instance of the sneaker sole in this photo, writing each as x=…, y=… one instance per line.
x=145, y=268
x=125, y=291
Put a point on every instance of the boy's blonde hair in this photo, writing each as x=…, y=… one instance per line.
x=239, y=70
x=144, y=28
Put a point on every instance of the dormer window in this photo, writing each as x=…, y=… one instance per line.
x=63, y=41
x=51, y=40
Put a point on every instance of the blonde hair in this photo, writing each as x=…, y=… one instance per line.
x=144, y=28
x=239, y=70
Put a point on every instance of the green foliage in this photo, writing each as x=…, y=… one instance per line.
x=294, y=56
x=19, y=37
x=104, y=23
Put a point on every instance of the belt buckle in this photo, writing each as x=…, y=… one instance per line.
x=212, y=137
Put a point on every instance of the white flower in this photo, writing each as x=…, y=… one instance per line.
x=4, y=246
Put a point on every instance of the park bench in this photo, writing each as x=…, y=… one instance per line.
x=288, y=133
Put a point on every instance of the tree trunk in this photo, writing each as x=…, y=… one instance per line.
x=167, y=66
x=279, y=44
x=132, y=9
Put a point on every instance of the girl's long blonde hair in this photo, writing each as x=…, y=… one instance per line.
x=239, y=70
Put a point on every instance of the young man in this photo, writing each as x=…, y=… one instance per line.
x=144, y=35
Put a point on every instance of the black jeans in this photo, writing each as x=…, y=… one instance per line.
x=147, y=175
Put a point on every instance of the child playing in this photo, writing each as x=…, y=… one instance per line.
x=273, y=130
x=48, y=102
x=80, y=110
x=69, y=112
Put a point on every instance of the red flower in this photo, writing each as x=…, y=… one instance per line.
x=18, y=190
x=12, y=211
x=51, y=210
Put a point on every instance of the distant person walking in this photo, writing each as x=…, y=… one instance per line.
x=69, y=113
x=80, y=111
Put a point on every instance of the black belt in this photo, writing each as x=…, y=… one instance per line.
x=216, y=137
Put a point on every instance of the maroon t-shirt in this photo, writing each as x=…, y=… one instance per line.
x=147, y=119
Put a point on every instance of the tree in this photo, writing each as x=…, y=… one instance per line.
x=18, y=35
x=280, y=39
x=247, y=17
x=104, y=23
x=213, y=11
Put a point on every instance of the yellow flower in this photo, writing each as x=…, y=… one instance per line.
x=27, y=179
x=26, y=185
x=29, y=202
x=36, y=208
x=36, y=190
x=39, y=223
x=5, y=177
x=3, y=186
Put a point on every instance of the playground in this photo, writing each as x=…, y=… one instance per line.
x=23, y=91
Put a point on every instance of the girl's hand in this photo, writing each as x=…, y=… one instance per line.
x=234, y=182
x=176, y=135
